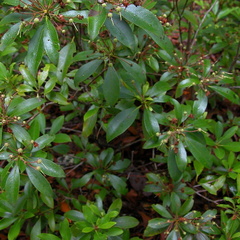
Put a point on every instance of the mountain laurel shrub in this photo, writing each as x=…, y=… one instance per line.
x=83, y=73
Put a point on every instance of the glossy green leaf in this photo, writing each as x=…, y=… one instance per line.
x=6, y=222
x=150, y=123
x=43, y=141
x=161, y=210
x=21, y=134
x=47, y=200
x=57, y=124
x=26, y=106
x=90, y=119
x=198, y=150
x=86, y=70
x=48, y=167
x=134, y=70
x=62, y=138
x=39, y=181
x=27, y=76
x=173, y=170
x=35, y=51
x=121, y=122
x=121, y=31
x=232, y=146
x=65, y=60
x=226, y=93
x=43, y=74
x=65, y=230
x=49, y=85
x=96, y=21
x=36, y=230
x=57, y=98
x=48, y=236
x=143, y=18
x=14, y=230
x=200, y=105
x=126, y=222
x=8, y=38
x=186, y=206
x=181, y=157
x=117, y=183
x=111, y=86
x=228, y=134
x=106, y=225
x=78, y=183
x=51, y=41
x=12, y=185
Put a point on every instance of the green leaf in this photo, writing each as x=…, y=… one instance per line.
x=125, y=222
x=27, y=76
x=198, y=150
x=26, y=106
x=90, y=119
x=121, y=122
x=135, y=71
x=200, y=105
x=20, y=134
x=173, y=170
x=47, y=200
x=162, y=211
x=186, y=206
x=86, y=70
x=228, y=134
x=48, y=167
x=57, y=98
x=42, y=75
x=6, y=222
x=65, y=230
x=14, y=230
x=106, y=225
x=57, y=125
x=181, y=157
x=48, y=236
x=43, y=141
x=95, y=22
x=117, y=183
x=74, y=215
x=49, y=85
x=78, y=183
x=51, y=41
x=35, y=51
x=121, y=31
x=36, y=230
x=39, y=181
x=143, y=18
x=226, y=93
x=8, y=38
x=150, y=123
x=62, y=138
x=232, y=146
x=111, y=86
x=65, y=60
x=12, y=185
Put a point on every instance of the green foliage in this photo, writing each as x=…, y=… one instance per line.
x=79, y=78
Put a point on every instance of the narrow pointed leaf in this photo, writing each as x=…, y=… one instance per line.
x=111, y=86
x=51, y=41
x=39, y=181
x=121, y=122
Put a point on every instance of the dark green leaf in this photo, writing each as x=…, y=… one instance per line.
x=6, y=222
x=21, y=134
x=26, y=106
x=121, y=31
x=8, y=38
x=48, y=236
x=199, y=150
x=95, y=22
x=173, y=170
x=65, y=60
x=150, y=123
x=90, y=119
x=35, y=51
x=51, y=41
x=134, y=70
x=111, y=86
x=39, y=181
x=161, y=210
x=12, y=185
x=48, y=167
x=227, y=93
x=121, y=122
x=232, y=146
x=126, y=222
x=86, y=70
x=57, y=125
x=181, y=157
x=43, y=141
x=117, y=183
